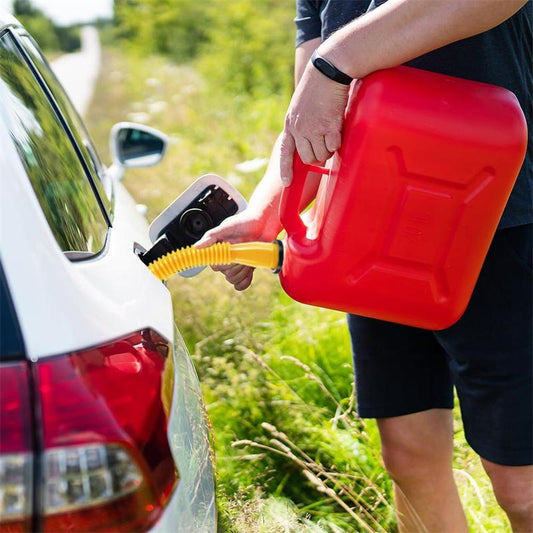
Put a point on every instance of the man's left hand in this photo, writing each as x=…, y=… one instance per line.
x=313, y=122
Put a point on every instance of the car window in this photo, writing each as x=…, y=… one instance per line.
x=78, y=129
x=52, y=164
x=11, y=345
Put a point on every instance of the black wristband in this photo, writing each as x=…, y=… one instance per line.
x=329, y=70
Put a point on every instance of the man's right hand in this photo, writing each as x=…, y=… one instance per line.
x=243, y=227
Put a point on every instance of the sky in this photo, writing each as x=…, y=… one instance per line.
x=65, y=12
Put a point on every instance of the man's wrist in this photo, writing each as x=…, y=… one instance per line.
x=328, y=69
x=265, y=217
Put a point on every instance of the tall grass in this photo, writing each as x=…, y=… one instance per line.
x=292, y=455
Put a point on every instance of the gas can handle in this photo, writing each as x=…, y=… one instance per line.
x=291, y=196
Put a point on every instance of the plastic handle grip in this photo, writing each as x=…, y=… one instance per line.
x=291, y=196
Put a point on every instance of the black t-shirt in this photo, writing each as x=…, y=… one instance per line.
x=501, y=56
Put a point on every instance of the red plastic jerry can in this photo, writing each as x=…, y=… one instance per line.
x=403, y=219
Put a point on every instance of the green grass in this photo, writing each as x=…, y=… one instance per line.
x=292, y=455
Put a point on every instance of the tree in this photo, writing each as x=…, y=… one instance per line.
x=24, y=7
x=43, y=30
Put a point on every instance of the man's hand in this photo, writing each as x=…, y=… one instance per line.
x=313, y=122
x=243, y=227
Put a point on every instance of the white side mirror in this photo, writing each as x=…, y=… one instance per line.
x=135, y=145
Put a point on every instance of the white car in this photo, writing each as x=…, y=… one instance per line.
x=102, y=426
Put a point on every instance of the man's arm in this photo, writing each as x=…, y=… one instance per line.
x=401, y=30
x=265, y=198
x=390, y=35
x=260, y=220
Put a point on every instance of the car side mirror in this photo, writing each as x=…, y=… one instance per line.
x=135, y=145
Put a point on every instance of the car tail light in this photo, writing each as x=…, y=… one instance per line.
x=106, y=464
x=16, y=447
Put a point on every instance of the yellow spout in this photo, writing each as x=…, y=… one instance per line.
x=256, y=254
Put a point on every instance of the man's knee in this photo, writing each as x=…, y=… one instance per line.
x=513, y=487
x=417, y=446
x=406, y=462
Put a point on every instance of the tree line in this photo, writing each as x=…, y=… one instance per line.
x=48, y=35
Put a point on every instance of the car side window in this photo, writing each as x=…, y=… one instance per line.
x=82, y=137
x=55, y=171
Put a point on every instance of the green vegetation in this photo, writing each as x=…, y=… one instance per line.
x=292, y=455
x=241, y=46
x=50, y=37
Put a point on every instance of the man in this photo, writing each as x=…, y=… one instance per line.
x=405, y=376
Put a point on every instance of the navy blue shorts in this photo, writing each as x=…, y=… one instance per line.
x=487, y=355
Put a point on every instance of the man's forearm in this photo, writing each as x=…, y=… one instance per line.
x=401, y=30
x=266, y=196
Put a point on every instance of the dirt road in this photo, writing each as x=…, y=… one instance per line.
x=78, y=72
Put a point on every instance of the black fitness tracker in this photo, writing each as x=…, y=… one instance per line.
x=329, y=70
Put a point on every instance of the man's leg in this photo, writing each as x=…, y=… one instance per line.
x=403, y=381
x=417, y=450
x=513, y=488
x=490, y=350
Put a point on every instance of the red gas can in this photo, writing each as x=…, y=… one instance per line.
x=403, y=220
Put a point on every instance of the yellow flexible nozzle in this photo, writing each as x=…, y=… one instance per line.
x=256, y=254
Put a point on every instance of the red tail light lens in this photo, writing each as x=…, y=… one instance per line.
x=107, y=462
x=16, y=445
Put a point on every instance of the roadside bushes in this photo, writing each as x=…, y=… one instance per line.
x=242, y=47
x=68, y=38
x=250, y=47
x=172, y=28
